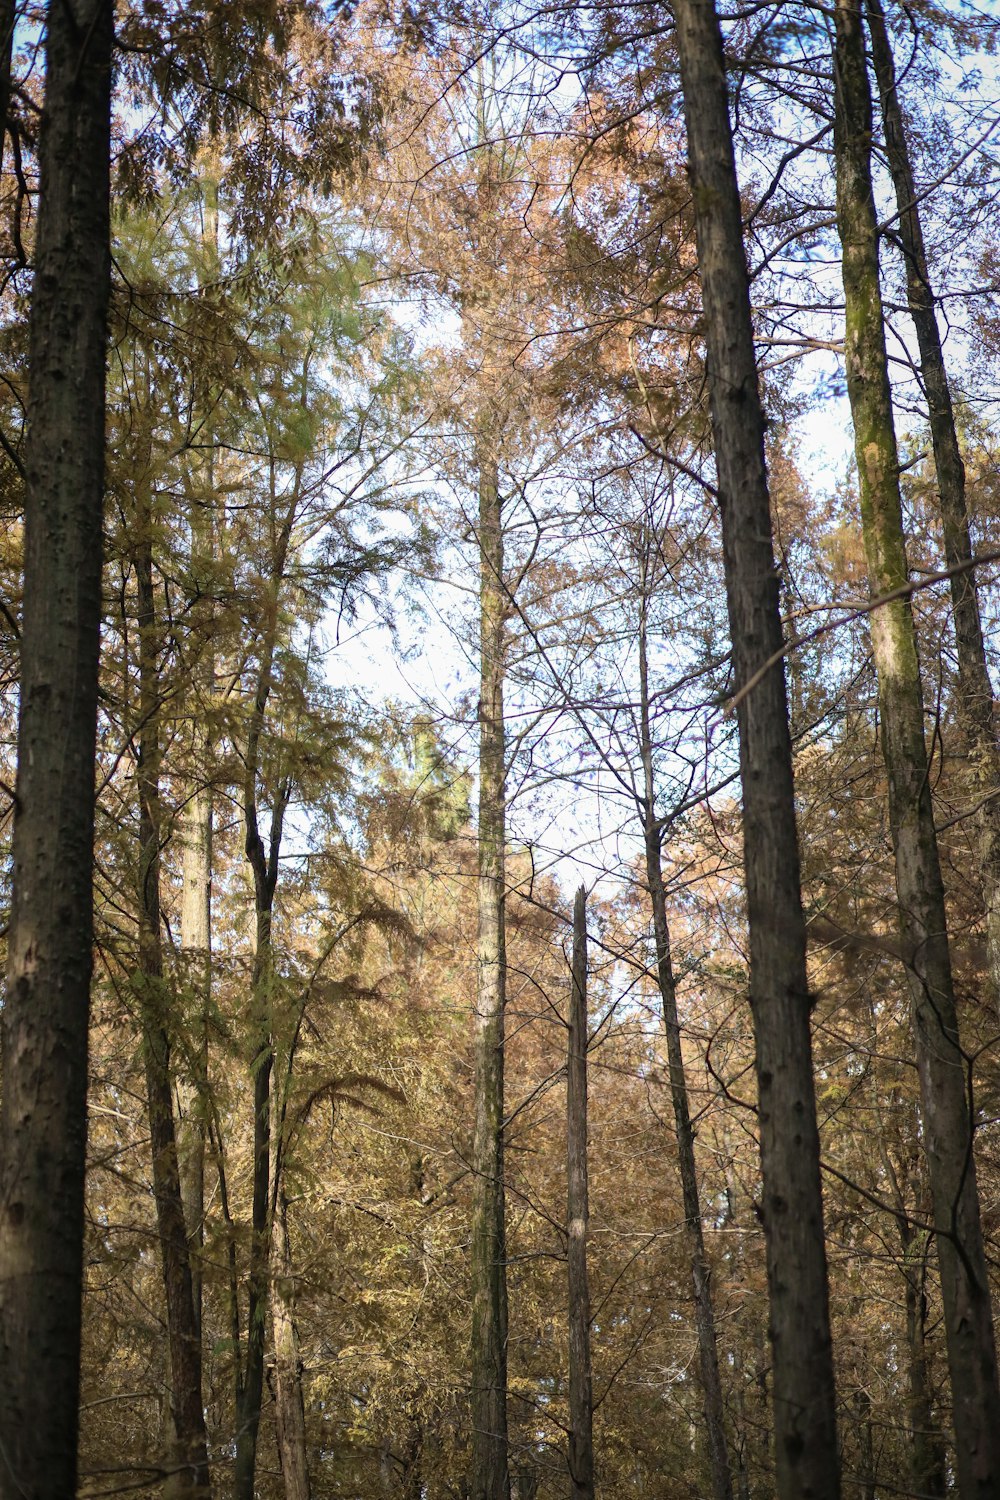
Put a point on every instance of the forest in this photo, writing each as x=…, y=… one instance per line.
x=499, y=755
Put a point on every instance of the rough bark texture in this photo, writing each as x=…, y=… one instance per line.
x=940, y=1062
x=45, y=1017
x=581, y=1397
x=188, y=1467
x=704, y=1312
x=289, y=1409
x=975, y=700
x=490, y=1477
x=805, y=1441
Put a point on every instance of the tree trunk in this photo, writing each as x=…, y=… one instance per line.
x=926, y=1446
x=196, y=952
x=490, y=1477
x=264, y=863
x=806, y=1459
x=975, y=699
x=46, y=1011
x=704, y=1313
x=289, y=1406
x=8, y=20
x=196, y=822
x=581, y=1396
x=189, y=1461
x=941, y=1063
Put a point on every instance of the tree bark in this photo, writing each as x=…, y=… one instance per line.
x=704, y=1312
x=975, y=699
x=490, y=1476
x=46, y=1012
x=941, y=1063
x=289, y=1406
x=189, y=1461
x=581, y=1396
x=806, y=1459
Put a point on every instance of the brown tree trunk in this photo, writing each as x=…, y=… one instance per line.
x=46, y=1011
x=581, y=1396
x=288, y=1403
x=704, y=1312
x=490, y=1477
x=189, y=1461
x=941, y=1063
x=805, y=1446
x=975, y=699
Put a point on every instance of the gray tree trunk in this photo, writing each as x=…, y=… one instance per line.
x=490, y=1478
x=704, y=1312
x=581, y=1396
x=941, y=1064
x=805, y=1437
x=975, y=699
x=43, y=1126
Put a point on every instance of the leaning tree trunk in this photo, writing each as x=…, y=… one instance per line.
x=581, y=1395
x=805, y=1438
x=188, y=1469
x=490, y=1476
x=704, y=1312
x=941, y=1064
x=46, y=1011
x=975, y=699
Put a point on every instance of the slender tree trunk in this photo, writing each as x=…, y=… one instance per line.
x=264, y=863
x=289, y=1406
x=581, y=1396
x=704, y=1312
x=196, y=820
x=806, y=1458
x=196, y=905
x=975, y=700
x=490, y=1476
x=941, y=1063
x=43, y=1127
x=189, y=1465
x=927, y=1449
x=196, y=951
x=8, y=20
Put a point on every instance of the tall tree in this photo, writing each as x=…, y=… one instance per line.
x=941, y=1062
x=976, y=697
x=653, y=832
x=46, y=1012
x=581, y=1395
x=805, y=1439
x=188, y=1463
x=490, y=1478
